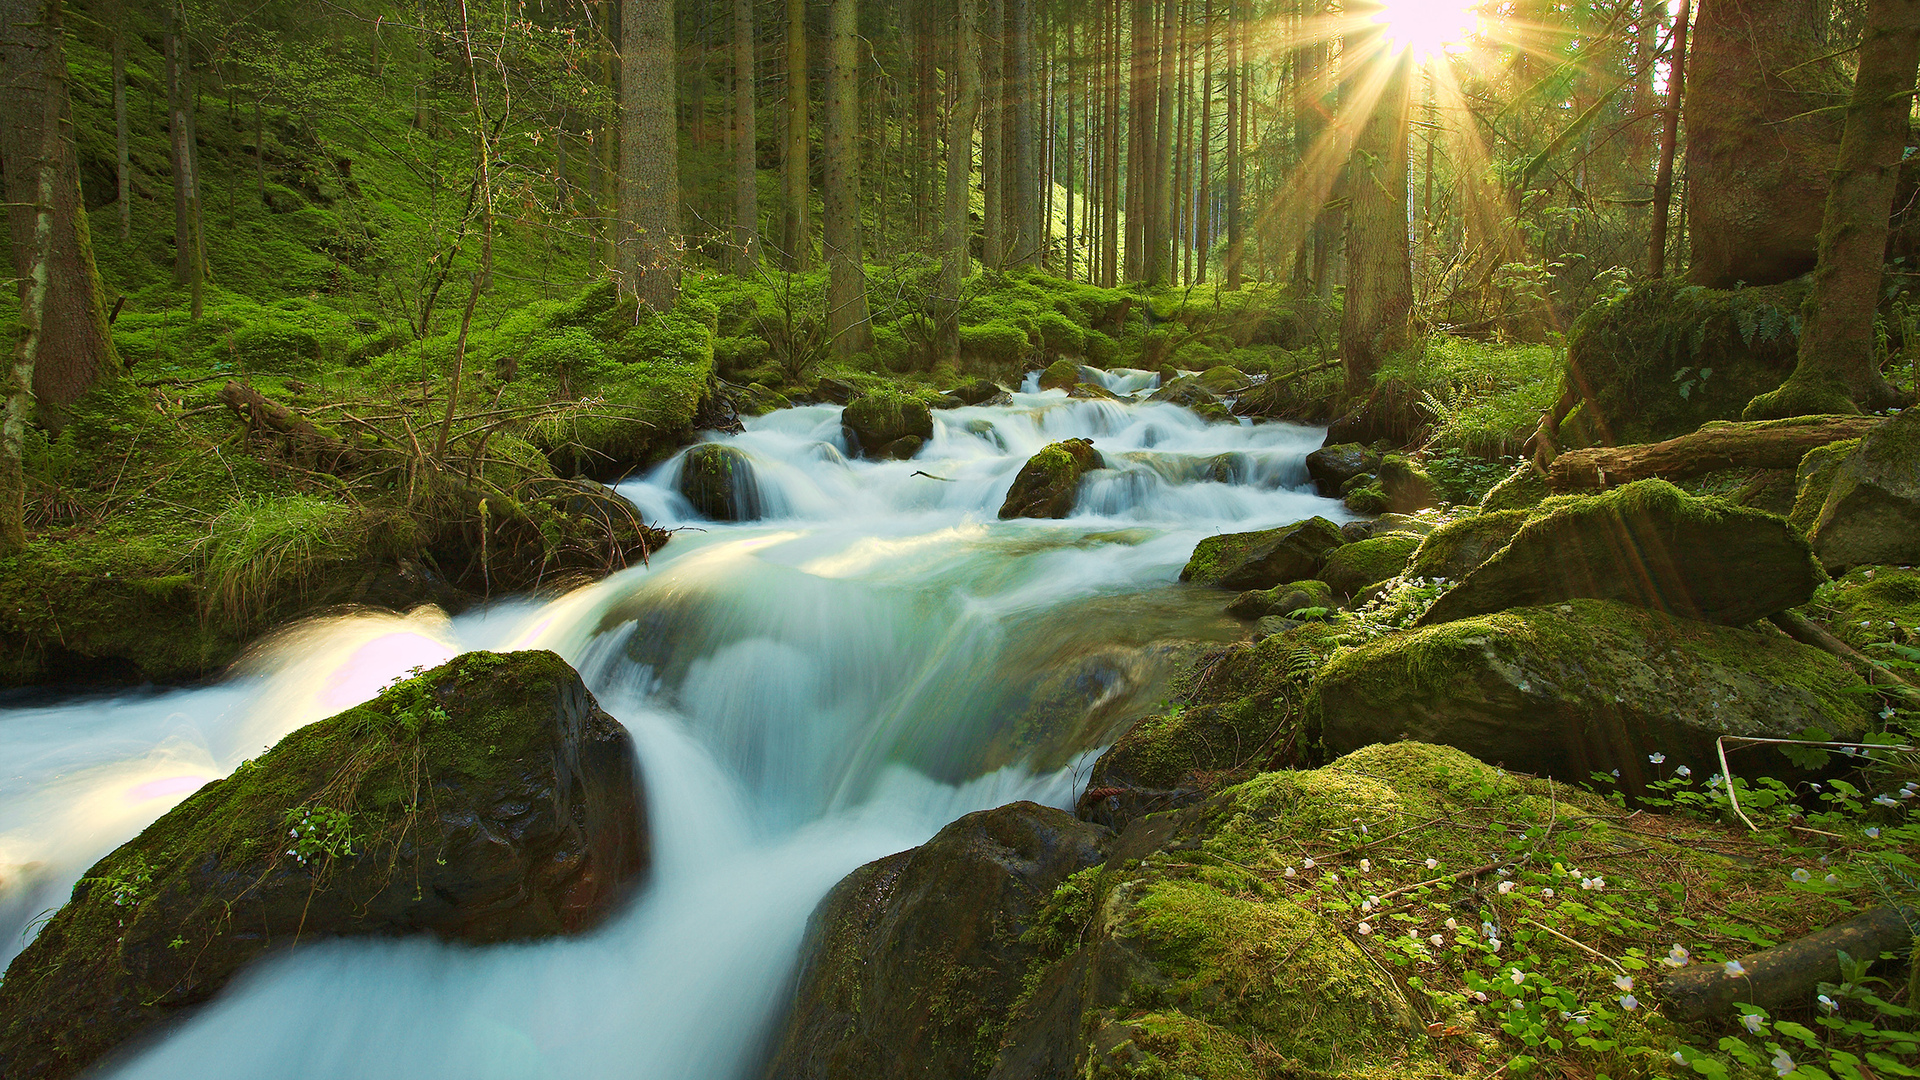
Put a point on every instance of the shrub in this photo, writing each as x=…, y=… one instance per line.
x=997, y=341
x=1059, y=335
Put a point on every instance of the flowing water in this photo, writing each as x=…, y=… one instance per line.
x=809, y=691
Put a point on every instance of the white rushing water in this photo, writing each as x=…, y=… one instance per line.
x=808, y=692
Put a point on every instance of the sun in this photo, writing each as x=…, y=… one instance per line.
x=1426, y=28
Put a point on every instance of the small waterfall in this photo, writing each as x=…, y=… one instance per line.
x=818, y=687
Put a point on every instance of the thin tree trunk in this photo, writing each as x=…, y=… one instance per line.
x=1160, y=201
x=184, y=263
x=848, y=322
x=1073, y=162
x=1203, y=220
x=746, y=191
x=959, y=187
x=1838, y=370
x=797, y=228
x=1236, y=177
x=1110, y=273
x=993, y=98
x=123, y=168
x=649, y=155
x=1669, y=139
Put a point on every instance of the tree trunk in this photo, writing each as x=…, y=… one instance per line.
x=1379, y=301
x=993, y=96
x=1203, y=219
x=1838, y=370
x=796, y=180
x=123, y=167
x=1160, y=199
x=1110, y=202
x=187, y=267
x=1772, y=444
x=1669, y=140
x=957, y=229
x=59, y=288
x=746, y=191
x=1236, y=176
x=649, y=155
x=848, y=323
x=1760, y=161
x=1023, y=156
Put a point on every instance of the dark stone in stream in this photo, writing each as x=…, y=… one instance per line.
x=718, y=480
x=912, y=963
x=978, y=392
x=876, y=421
x=487, y=800
x=1049, y=483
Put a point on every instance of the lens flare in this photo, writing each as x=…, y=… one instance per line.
x=1426, y=28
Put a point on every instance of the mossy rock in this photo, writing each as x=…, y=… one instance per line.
x=920, y=956
x=1405, y=483
x=1666, y=357
x=1523, y=489
x=1586, y=686
x=1871, y=515
x=1351, y=569
x=1049, y=483
x=1873, y=605
x=1457, y=548
x=1261, y=560
x=1059, y=375
x=1813, y=480
x=1188, y=392
x=718, y=480
x=874, y=420
x=1368, y=498
x=1332, y=466
x=1282, y=599
x=1646, y=543
x=489, y=799
x=1224, y=379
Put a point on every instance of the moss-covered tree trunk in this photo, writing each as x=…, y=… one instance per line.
x=993, y=118
x=1838, y=370
x=52, y=248
x=959, y=191
x=1379, y=304
x=649, y=155
x=796, y=234
x=746, y=195
x=848, y=321
x=1022, y=191
x=1757, y=151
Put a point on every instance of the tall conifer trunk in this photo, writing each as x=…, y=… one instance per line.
x=649, y=155
x=1375, y=320
x=848, y=322
x=957, y=231
x=796, y=235
x=746, y=192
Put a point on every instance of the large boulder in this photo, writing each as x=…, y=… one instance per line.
x=1351, y=569
x=981, y=392
x=876, y=422
x=487, y=800
x=1871, y=515
x=1188, y=392
x=1587, y=686
x=1405, y=483
x=912, y=963
x=1647, y=543
x=1261, y=560
x=1332, y=466
x=1813, y=481
x=1049, y=483
x=1060, y=375
x=1457, y=548
x=718, y=480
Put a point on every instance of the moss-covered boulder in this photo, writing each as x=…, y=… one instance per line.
x=981, y=392
x=1049, y=483
x=1457, y=548
x=1647, y=543
x=1189, y=392
x=1873, y=605
x=1666, y=357
x=1059, y=375
x=489, y=799
x=919, y=957
x=1813, y=480
x=1366, y=498
x=718, y=480
x=872, y=422
x=1523, y=489
x=1261, y=560
x=1351, y=569
x=1405, y=483
x=1282, y=599
x=1224, y=379
x=1871, y=515
x=1332, y=466
x=1586, y=686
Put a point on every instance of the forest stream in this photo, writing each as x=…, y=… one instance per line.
x=809, y=691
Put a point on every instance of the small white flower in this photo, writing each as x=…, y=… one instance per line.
x=1366, y=866
x=1873, y=832
x=1333, y=879
x=1548, y=893
x=1782, y=1063
x=1679, y=1058
x=1908, y=793
x=1752, y=1022
x=1832, y=879
x=1433, y=864
x=1657, y=758
x=1629, y=1002
x=1480, y=995
x=1487, y=928
x=1308, y=863
x=1366, y=905
x=1828, y=1003
x=1437, y=940
x=1733, y=968
x=1623, y=982
x=1677, y=957
x=1682, y=771
x=1506, y=887
x=1616, y=774
x=1516, y=976
x=1494, y=944
x=1365, y=928
x=1885, y=800
x=1800, y=874
x=1291, y=872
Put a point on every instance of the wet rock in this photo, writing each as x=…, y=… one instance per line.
x=1586, y=686
x=1650, y=544
x=1268, y=625
x=1059, y=375
x=1351, y=569
x=902, y=449
x=1406, y=484
x=1356, y=531
x=1261, y=560
x=1871, y=515
x=1282, y=599
x=1401, y=525
x=978, y=392
x=756, y=399
x=487, y=800
x=1457, y=548
x=949, y=401
x=1188, y=392
x=1049, y=483
x=874, y=421
x=1369, y=498
x=1224, y=379
x=835, y=391
x=718, y=480
x=1332, y=466
x=918, y=957
x=1091, y=392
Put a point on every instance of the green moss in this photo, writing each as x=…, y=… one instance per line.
x=1801, y=397
x=1352, y=568
x=998, y=342
x=1872, y=605
x=1455, y=548
x=1813, y=480
x=1368, y=499
x=1523, y=488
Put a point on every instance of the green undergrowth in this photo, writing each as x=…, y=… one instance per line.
x=1482, y=399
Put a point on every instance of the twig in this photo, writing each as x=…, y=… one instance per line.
x=1577, y=945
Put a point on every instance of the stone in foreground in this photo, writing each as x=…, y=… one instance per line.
x=1261, y=560
x=1871, y=515
x=874, y=422
x=487, y=800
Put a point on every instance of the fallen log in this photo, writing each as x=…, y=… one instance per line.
x=304, y=442
x=1786, y=972
x=1767, y=444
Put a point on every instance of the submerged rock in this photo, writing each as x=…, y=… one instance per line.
x=1261, y=560
x=1049, y=483
x=1351, y=569
x=1650, y=544
x=874, y=421
x=912, y=963
x=487, y=800
x=1871, y=515
x=718, y=480
x=1586, y=686
x=1332, y=466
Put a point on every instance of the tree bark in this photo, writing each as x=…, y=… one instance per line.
x=1837, y=369
x=188, y=267
x=51, y=246
x=1159, y=238
x=848, y=322
x=1787, y=972
x=1669, y=140
x=797, y=183
x=123, y=168
x=1376, y=320
x=649, y=156
x=1770, y=444
x=993, y=97
x=1022, y=191
x=957, y=229
x=746, y=191
x=1236, y=175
